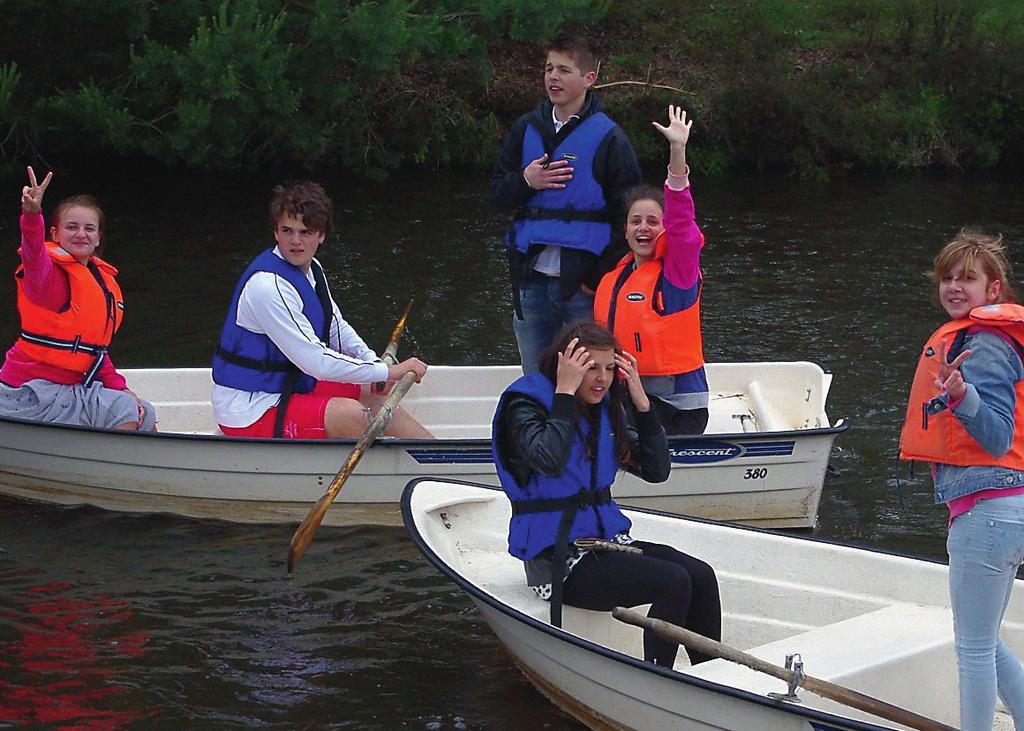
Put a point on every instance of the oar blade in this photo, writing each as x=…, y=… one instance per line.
x=304, y=534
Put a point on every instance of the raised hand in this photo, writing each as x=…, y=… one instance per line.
x=949, y=379
x=32, y=194
x=678, y=130
x=627, y=367
x=573, y=363
x=541, y=174
x=677, y=133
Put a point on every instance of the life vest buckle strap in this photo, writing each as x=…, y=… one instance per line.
x=570, y=506
x=567, y=214
x=94, y=368
x=580, y=501
x=72, y=346
x=252, y=364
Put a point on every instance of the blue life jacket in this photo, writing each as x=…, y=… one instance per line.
x=575, y=216
x=580, y=490
x=251, y=361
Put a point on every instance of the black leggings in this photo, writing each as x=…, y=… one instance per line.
x=679, y=422
x=681, y=589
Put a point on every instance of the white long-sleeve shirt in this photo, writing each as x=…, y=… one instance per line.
x=271, y=306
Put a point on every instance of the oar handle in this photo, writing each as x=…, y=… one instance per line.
x=824, y=688
x=303, y=535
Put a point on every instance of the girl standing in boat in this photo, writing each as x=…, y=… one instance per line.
x=965, y=403
x=560, y=436
x=70, y=306
x=651, y=301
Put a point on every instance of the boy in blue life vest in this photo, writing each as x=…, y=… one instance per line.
x=288, y=364
x=564, y=170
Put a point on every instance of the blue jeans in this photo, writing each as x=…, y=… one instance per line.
x=544, y=314
x=986, y=547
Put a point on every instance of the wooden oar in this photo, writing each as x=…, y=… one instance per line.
x=307, y=529
x=825, y=689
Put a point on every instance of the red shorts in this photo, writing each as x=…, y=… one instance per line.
x=304, y=418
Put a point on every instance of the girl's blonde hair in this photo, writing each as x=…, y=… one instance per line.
x=981, y=252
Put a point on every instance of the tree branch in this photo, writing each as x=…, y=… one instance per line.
x=644, y=83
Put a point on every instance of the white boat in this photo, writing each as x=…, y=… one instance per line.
x=763, y=460
x=874, y=622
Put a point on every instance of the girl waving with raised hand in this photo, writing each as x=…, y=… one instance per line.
x=70, y=306
x=966, y=417
x=651, y=301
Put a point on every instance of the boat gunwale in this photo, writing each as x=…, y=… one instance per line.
x=841, y=426
x=478, y=594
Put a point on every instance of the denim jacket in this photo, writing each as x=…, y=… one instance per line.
x=986, y=411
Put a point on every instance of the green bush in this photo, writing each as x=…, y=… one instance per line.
x=809, y=87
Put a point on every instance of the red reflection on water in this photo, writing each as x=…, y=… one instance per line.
x=60, y=666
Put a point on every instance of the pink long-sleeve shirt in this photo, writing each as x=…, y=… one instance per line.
x=46, y=285
x=681, y=263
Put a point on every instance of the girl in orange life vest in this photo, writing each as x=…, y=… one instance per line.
x=651, y=301
x=966, y=417
x=70, y=306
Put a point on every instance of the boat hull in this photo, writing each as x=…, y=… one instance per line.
x=611, y=695
x=257, y=482
x=771, y=479
x=875, y=622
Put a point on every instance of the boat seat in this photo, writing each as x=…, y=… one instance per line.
x=598, y=627
x=864, y=653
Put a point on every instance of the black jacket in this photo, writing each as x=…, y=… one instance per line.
x=615, y=169
x=529, y=438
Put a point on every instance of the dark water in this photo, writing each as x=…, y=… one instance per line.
x=121, y=621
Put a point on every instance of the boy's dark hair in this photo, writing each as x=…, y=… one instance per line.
x=303, y=198
x=576, y=46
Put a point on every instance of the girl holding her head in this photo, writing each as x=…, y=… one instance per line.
x=70, y=307
x=651, y=301
x=966, y=401
x=560, y=436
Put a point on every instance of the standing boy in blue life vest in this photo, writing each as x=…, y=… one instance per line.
x=564, y=169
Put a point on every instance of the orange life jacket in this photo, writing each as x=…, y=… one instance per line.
x=664, y=344
x=77, y=337
x=931, y=432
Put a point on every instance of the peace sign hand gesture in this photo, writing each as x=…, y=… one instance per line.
x=949, y=379
x=32, y=194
